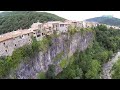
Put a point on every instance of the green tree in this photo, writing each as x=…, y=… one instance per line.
x=94, y=70
x=116, y=70
x=12, y=21
x=50, y=74
x=79, y=72
x=102, y=56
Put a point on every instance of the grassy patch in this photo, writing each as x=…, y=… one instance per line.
x=45, y=43
x=58, y=56
x=83, y=31
x=71, y=60
x=72, y=31
x=19, y=55
x=116, y=70
x=63, y=63
x=41, y=75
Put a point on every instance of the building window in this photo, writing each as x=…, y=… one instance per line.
x=39, y=31
x=6, y=50
x=4, y=43
x=38, y=35
x=56, y=26
x=28, y=34
x=6, y=46
x=21, y=37
x=49, y=28
x=15, y=44
x=39, y=26
x=61, y=25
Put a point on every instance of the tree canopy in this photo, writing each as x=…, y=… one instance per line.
x=11, y=21
x=106, y=20
x=88, y=64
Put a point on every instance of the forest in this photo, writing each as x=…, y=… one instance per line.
x=12, y=21
x=85, y=65
x=106, y=20
x=88, y=64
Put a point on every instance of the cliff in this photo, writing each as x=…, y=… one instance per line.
x=58, y=54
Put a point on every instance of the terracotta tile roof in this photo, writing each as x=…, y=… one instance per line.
x=47, y=25
x=26, y=31
x=33, y=28
x=35, y=25
x=9, y=35
x=14, y=34
x=54, y=22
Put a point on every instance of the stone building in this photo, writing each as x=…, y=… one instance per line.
x=74, y=23
x=95, y=24
x=37, y=29
x=63, y=27
x=87, y=24
x=13, y=40
x=59, y=26
x=47, y=28
x=10, y=41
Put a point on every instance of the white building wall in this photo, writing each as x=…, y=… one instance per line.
x=84, y=24
x=6, y=47
x=12, y=44
x=63, y=28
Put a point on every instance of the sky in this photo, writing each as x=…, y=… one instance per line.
x=82, y=15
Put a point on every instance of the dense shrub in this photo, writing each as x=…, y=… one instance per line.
x=50, y=74
x=11, y=21
x=106, y=42
x=19, y=55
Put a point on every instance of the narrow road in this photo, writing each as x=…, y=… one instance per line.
x=108, y=66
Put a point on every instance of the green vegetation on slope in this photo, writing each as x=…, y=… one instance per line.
x=89, y=62
x=45, y=43
x=106, y=20
x=84, y=65
x=41, y=75
x=21, y=54
x=116, y=70
x=11, y=21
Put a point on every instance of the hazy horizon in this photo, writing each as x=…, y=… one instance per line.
x=82, y=15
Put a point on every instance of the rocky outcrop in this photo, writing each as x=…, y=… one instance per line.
x=107, y=67
x=65, y=44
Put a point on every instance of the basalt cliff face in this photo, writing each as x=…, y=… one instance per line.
x=62, y=47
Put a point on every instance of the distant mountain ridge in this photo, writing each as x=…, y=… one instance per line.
x=106, y=19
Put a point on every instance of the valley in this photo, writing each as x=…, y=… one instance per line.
x=40, y=45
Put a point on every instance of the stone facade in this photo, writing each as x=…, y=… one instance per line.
x=40, y=63
x=13, y=40
x=8, y=46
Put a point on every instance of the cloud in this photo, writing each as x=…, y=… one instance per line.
x=1, y=11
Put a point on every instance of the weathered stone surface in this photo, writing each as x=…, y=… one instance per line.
x=64, y=43
x=108, y=66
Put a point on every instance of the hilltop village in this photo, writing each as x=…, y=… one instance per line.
x=13, y=40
